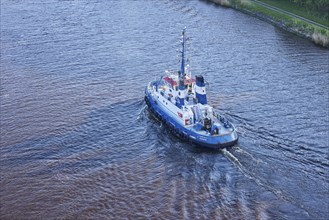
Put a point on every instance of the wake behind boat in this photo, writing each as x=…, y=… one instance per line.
x=179, y=100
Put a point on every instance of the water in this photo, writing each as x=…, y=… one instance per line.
x=78, y=143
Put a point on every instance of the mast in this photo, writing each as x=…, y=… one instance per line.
x=181, y=75
x=183, y=53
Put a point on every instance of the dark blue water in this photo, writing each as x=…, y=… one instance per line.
x=77, y=141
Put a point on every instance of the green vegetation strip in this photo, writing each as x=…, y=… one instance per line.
x=319, y=17
x=287, y=18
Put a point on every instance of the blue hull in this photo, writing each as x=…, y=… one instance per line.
x=214, y=142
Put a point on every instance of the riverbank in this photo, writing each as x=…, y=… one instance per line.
x=282, y=19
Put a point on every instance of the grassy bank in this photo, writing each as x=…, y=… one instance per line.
x=319, y=17
x=300, y=27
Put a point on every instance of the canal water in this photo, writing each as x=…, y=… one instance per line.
x=77, y=141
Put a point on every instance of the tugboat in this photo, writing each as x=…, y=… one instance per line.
x=179, y=100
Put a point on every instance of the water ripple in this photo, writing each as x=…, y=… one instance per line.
x=77, y=140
